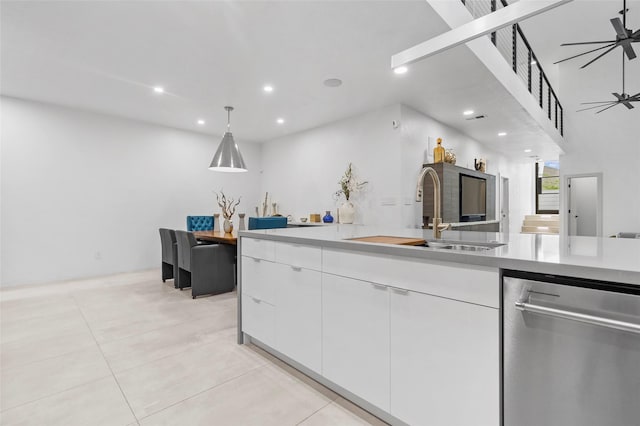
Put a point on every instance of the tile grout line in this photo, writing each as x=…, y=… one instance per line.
x=159, y=328
x=312, y=414
x=181, y=351
x=107, y=362
x=203, y=391
x=53, y=394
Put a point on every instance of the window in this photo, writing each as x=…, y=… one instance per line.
x=547, y=187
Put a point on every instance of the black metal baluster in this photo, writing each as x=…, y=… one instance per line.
x=530, y=58
x=515, y=48
x=541, y=74
x=493, y=34
x=549, y=101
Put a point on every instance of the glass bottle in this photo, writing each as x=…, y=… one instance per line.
x=438, y=152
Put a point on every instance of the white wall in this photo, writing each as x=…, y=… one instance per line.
x=302, y=170
x=608, y=143
x=84, y=194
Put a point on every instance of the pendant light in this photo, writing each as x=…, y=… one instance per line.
x=228, y=158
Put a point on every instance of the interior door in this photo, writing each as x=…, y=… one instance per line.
x=504, y=205
x=583, y=206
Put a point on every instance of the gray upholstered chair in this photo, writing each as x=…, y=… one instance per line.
x=206, y=268
x=169, y=255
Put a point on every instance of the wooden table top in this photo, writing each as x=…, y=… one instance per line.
x=217, y=236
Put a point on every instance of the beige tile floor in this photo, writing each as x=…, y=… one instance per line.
x=128, y=349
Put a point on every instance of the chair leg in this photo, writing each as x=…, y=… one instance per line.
x=176, y=275
x=167, y=271
x=184, y=278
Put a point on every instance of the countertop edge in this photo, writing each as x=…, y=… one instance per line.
x=596, y=273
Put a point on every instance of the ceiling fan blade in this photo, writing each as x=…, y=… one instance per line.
x=588, y=42
x=599, y=102
x=602, y=110
x=627, y=104
x=628, y=50
x=636, y=36
x=590, y=51
x=619, y=96
x=620, y=29
x=594, y=107
x=598, y=57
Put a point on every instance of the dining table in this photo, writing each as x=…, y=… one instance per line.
x=218, y=236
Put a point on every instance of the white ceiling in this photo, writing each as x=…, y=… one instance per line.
x=586, y=20
x=107, y=56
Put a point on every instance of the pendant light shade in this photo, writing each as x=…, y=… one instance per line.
x=228, y=158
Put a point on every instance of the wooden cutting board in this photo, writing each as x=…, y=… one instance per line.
x=383, y=239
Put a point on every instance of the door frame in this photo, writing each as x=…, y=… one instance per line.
x=501, y=178
x=564, y=218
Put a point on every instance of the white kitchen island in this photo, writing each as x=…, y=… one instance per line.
x=411, y=334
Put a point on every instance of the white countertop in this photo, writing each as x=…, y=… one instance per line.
x=608, y=259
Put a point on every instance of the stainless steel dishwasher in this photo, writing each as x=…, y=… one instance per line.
x=571, y=351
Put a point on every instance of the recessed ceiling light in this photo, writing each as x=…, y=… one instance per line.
x=502, y=134
x=468, y=112
x=527, y=150
x=333, y=82
x=400, y=70
x=158, y=89
x=201, y=122
x=280, y=121
x=268, y=88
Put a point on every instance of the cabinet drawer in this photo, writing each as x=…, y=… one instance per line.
x=260, y=249
x=468, y=283
x=258, y=319
x=259, y=278
x=308, y=257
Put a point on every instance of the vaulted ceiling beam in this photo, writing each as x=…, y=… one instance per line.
x=487, y=24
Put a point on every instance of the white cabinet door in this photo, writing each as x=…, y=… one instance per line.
x=444, y=361
x=298, y=315
x=355, y=337
x=258, y=319
x=259, y=279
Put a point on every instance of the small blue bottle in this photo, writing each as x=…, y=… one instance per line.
x=327, y=217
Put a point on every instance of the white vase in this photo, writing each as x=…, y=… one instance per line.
x=228, y=226
x=347, y=212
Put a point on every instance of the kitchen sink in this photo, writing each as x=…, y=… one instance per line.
x=462, y=245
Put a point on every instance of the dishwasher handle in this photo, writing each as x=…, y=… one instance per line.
x=579, y=317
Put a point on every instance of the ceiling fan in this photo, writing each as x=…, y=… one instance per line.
x=624, y=98
x=624, y=38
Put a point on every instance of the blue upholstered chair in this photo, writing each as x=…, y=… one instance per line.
x=199, y=223
x=267, y=222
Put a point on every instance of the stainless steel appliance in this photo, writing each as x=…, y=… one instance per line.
x=571, y=351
